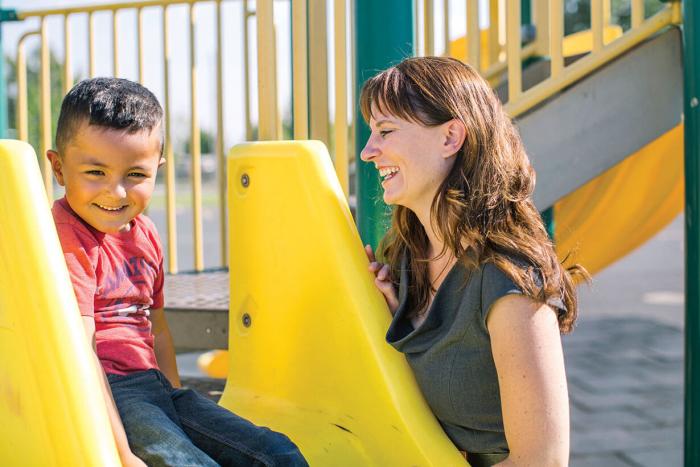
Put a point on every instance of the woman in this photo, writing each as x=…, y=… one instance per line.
x=478, y=296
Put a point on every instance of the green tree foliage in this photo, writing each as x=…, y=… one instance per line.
x=33, y=94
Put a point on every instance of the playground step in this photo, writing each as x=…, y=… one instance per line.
x=197, y=308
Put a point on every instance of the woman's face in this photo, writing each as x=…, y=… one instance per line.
x=412, y=159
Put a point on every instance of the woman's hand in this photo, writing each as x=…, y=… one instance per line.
x=382, y=279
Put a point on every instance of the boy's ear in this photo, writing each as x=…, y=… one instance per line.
x=56, y=165
x=161, y=161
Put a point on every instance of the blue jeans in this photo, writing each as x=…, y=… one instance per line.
x=179, y=427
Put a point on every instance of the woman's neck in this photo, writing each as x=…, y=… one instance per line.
x=435, y=242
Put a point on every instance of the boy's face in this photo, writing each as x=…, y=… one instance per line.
x=109, y=175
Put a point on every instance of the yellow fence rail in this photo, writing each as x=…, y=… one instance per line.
x=496, y=51
x=503, y=34
x=311, y=110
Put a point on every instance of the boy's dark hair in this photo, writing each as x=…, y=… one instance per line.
x=111, y=103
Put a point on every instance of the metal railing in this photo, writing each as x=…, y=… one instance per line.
x=310, y=72
x=309, y=80
x=506, y=51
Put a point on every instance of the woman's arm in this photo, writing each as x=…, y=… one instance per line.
x=526, y=346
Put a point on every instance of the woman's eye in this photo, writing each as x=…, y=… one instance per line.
x=383, y=133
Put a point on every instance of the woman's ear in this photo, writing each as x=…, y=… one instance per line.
x=455, y=133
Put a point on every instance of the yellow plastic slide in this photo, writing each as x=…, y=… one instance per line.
x=307, y=354
x=624, y=207
x=51, y=409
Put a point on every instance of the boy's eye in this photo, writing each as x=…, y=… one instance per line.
x=95, y=172
x=137, y=175
x=383, y=133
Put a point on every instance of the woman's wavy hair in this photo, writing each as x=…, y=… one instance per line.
x=483, y=210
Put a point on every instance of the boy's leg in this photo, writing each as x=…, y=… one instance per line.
x=151, y=422
x=230, y=439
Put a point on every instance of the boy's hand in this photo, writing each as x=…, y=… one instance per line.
x=382, y=279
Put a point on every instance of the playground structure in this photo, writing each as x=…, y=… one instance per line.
x=611, y=189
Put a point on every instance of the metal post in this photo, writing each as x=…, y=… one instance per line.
x=5, y=15
x=691, y=108
x=525, y=12
x=383, y=36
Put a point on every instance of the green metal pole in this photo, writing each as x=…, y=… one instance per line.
x=3, y=89
x=525, y=12
x=691, y=109
x=383, y=37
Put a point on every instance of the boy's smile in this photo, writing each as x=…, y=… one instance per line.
x=109, y=174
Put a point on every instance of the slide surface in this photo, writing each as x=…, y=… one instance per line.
x=307, y=354
x=51, y=408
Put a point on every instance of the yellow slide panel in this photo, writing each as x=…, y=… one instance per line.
x=307, y=354
x=624, y=207
x=51, y=410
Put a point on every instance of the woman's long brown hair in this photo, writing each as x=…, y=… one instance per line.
x=483, y=210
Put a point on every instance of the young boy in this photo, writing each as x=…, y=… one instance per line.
x=109, y=142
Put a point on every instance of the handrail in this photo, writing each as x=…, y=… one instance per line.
x=45, y=120
x=586, y=65
x=549, y=20
x=21, y=15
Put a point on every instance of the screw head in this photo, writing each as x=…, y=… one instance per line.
x=247, y=321
x=245, y=180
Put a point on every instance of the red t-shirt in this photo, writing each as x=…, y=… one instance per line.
x=117, y=279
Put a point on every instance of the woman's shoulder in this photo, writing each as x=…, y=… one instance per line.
x=496, y=282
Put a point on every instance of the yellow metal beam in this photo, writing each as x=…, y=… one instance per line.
x=115, y=43
x=428, y=28
x=513, y=50
x=246, y=72
x=220, y=156
x=22, y=111
x=139, y=42
x=318, y=72
x=267, y=72
x=102, y=7
x=597, y=24
x=637, y=12
x=45, y=110
x=556, y=37
x=300, y=69
x=446, y=26
x=67, y=65
x=195, y=149
x=474, y=34
x=494, y=42
x=171, y=219
x=91, y=45
x=341, y=96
